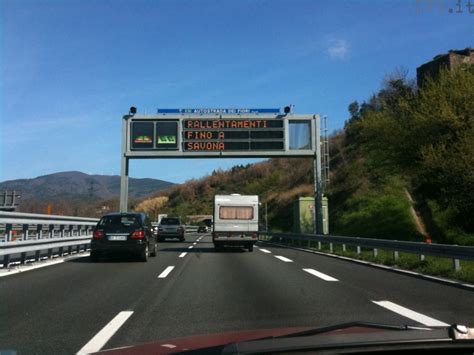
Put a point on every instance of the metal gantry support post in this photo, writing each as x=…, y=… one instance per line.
x=266, y=217
x=318, y=195
x=325, y=155
x=124, y=167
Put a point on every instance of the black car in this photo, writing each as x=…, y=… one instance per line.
x=126, y=233
x=203, y=229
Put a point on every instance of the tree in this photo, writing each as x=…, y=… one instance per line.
x=353, y=110
x=427, y=136
x=152, y=206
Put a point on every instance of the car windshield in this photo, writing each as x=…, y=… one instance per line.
x=223, y=171
x=169, y=221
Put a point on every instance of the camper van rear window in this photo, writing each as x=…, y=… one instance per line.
x=236, y=212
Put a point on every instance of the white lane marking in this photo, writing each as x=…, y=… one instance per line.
x=408, y=313
x=166, y=272
x=190, y=247
x=265, y=251
x=282, y=258
x=194, y=243
x=169, y=346
x=28, y=267
x=102, y=337
x=320, y=275
x=182, y=255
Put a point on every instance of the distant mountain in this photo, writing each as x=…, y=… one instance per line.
x=73, y=184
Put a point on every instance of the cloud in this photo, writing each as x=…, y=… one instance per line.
x=338, y=49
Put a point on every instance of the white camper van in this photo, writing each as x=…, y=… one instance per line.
x=235, y=220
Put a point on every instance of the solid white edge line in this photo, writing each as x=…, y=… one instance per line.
x=408, y=313
x=166, y=272
x=282, y=258
x=102, y=337
x=265, y=251
x=320, y=275
x=24, y=268
x=182, y=255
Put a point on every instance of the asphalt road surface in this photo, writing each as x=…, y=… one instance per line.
x=189, y=289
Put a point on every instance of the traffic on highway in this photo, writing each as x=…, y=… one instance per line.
x=193, y=297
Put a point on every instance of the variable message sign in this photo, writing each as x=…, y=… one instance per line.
x=189, y=132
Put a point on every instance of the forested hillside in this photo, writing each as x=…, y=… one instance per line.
x=402, y=168
x=423, y=139
x=77, y=194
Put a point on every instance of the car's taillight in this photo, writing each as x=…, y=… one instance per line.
x=139, y=234
x=98, y=234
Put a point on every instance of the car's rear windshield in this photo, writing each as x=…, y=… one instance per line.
x=236, y=212
x=170, y=221
x=119, y=221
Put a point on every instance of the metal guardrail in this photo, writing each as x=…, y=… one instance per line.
x=190, y=228
x=453, y=252
x=9, y=200
x=23, y=233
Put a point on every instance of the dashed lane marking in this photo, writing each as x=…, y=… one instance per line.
x=408, y=313
x=166, y=272
x=320, y=275
x=102, y=337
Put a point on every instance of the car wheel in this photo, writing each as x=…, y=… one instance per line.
x=155, y=250
x=250, y=247
x=94, y=256
x=144, y=254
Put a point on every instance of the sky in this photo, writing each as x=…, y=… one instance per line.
x=70, y=69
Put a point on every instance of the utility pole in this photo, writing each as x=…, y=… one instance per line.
x=91, y=188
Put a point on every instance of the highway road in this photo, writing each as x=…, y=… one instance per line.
x=189, y=289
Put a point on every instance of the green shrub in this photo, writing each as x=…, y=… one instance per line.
x=377, y=216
